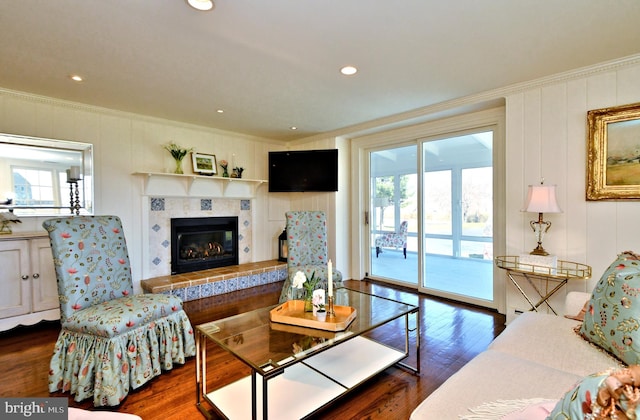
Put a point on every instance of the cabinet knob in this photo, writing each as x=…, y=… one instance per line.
x=36, y=276
x=25, y=277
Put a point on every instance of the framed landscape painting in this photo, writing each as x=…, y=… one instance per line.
x=613, y=153
x=204, y=164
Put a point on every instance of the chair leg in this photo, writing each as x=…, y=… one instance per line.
x=404, y=251
x=377, y=251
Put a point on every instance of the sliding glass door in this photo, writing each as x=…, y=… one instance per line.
x=393, y=214
x=432, y=228
x=457, y=217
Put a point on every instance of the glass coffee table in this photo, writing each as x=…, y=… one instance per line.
x=295, y=371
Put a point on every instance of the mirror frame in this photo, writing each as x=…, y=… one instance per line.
x=84, y=184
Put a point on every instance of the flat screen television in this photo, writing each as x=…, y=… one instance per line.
x=303, y=170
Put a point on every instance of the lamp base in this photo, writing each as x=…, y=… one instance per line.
x=539, y=250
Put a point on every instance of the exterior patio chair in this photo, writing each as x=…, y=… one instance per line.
x=394, y=240
x=111, y=340
x=307, y=249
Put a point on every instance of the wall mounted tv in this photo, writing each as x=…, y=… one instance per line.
x=303, y=170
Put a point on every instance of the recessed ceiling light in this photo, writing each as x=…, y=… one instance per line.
x=348, y=70
x=76, y=78
x=293, y=128
x=203, y=5
x=220, y=111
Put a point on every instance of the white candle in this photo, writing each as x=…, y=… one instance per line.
x=75, y=172
x=330, y=279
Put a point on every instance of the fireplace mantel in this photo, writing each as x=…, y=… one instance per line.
x=184, y=185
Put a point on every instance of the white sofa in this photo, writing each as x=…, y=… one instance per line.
x=538, y=356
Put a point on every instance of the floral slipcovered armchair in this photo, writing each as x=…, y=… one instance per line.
x=111, y=340
x=307, y=243
x=394, y=239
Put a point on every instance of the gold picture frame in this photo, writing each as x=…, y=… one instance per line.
x=613, y=153
x=204, y=164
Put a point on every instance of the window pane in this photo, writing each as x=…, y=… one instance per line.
x=33, y=187
x=437, y=207
x=477, y=200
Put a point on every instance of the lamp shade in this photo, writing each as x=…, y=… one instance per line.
x=542, y=199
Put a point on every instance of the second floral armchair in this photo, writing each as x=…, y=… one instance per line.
x=307, y=249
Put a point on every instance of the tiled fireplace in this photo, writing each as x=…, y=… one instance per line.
x=162, y=210
x=205, y=283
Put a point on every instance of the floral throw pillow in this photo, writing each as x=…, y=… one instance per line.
x=612, y=317
x=606, y=395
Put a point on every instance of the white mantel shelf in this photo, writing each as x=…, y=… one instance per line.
x=164, y=184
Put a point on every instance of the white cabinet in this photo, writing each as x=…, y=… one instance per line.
x=28, y=289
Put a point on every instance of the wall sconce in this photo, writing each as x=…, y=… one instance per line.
x=541, y=199
x=73, y=176
x=283, y=248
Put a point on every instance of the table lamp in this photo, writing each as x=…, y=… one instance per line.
x=541, y=199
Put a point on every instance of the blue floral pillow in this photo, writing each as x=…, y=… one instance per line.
x=605, y=395
x=612, y=318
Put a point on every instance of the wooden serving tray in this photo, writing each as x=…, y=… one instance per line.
x=292, y=313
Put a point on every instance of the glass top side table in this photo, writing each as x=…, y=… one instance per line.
x=557, y=276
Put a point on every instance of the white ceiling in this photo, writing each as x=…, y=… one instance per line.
x=272, y=64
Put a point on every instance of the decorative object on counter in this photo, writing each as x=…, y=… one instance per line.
x=6, y=218
x=541, y=199
x=237, y=172
x=224, y=164
x=204, y=164
x=73, y=177
x=178, y=153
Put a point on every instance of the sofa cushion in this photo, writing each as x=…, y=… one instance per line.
x=612, y=318
x=552, y=341
x=492, y=376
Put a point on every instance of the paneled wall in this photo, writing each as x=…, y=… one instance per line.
x=125, y=143
x=546, y=137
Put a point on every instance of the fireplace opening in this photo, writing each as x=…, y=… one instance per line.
x=200, y=243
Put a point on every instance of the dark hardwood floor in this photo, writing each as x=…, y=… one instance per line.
x=451, y=334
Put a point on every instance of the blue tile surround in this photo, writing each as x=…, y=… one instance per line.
x=185, y=287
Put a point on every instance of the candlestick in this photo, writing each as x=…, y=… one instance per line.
x=330, y=312
x=330, y=278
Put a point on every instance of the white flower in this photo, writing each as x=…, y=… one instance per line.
x=299, y=279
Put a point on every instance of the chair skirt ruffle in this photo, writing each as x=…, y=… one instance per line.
x=106, y=368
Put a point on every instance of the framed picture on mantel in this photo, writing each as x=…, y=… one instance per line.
x=613, y=153
x=204, y=164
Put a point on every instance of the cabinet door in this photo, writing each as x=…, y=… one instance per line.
x=15, y=278
x=43, y=276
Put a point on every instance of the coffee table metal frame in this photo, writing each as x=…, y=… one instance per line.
x=318, y=358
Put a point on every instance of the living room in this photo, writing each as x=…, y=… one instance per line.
x=542, y=133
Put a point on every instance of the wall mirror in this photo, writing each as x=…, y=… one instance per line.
x=45, y=177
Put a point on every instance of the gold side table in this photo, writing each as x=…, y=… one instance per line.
x=557, y=276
